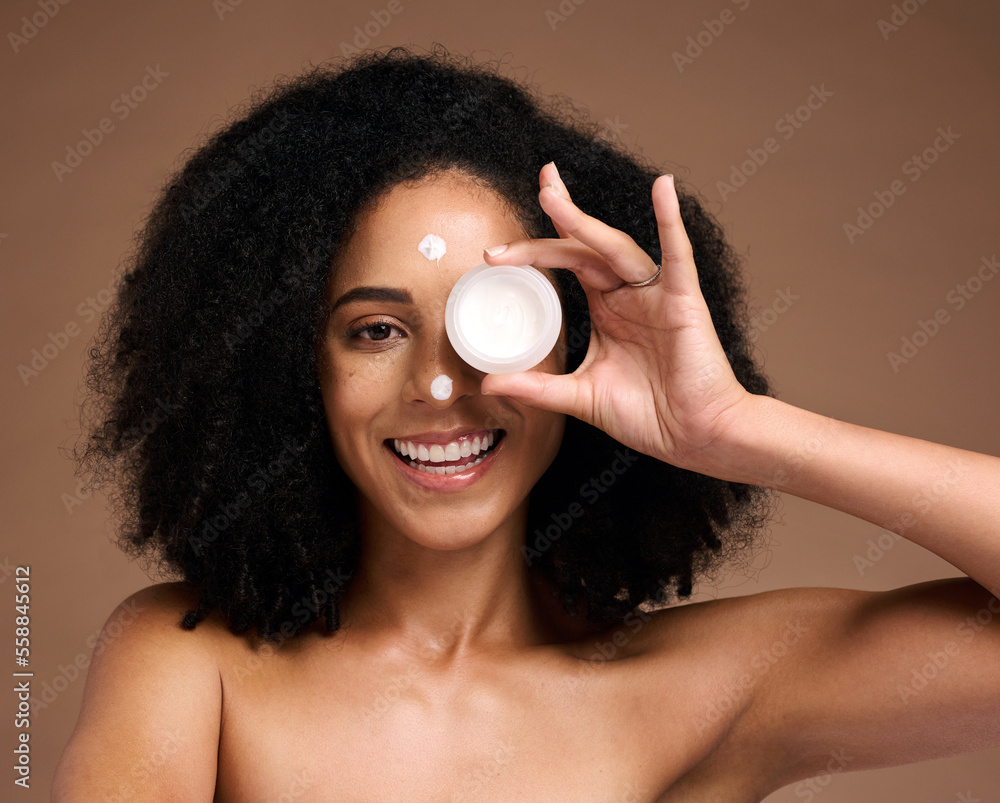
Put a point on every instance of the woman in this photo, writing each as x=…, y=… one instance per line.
x=354, y=624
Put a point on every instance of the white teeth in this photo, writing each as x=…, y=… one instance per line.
x=446, y=469
x=439, y=453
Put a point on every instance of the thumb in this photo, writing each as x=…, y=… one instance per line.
x=559, y=393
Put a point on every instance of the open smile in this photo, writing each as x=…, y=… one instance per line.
x=458, y=456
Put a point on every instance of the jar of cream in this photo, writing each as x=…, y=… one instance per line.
x=503, y=318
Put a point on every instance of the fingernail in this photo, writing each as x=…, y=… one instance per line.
x=561, y=184
x=493, y=250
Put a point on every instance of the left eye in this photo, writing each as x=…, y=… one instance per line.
x=377, y=330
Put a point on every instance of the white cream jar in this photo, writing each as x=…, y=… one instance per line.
x=502, y=319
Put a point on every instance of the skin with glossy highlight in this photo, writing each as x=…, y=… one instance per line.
x=454, y=674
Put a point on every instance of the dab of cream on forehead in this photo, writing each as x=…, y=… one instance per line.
x=441, y=387
x=432, y=247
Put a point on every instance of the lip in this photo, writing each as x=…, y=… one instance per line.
x=445, y=482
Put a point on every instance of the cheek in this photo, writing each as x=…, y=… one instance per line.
x=349, y=424
x=347, y=403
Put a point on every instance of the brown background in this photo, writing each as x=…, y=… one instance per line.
x=61, y=241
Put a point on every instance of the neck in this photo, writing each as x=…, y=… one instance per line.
x=442, y=605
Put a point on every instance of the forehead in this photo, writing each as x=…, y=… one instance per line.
x=467, y=216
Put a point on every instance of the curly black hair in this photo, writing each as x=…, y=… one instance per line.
x=205, y=418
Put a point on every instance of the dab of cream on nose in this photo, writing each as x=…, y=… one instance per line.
x=433, y=247
x=441, y=387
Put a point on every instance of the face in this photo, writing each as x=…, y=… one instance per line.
x=384, y=345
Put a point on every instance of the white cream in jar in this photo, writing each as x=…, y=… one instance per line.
x=503, y=318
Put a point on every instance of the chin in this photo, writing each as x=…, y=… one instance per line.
x=449, y=536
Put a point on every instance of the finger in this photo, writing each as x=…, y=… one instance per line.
x=590, y=267
x=627, y=260
x=559, y=393
x=549, y=174
x=680, y=276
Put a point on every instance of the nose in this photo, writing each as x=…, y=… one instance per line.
x=437, y=358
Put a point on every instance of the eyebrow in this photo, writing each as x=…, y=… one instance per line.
x=373, y=294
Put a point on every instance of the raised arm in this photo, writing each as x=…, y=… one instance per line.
x=889, y=677
x=943, y=498
x=149, y=724
x=657, y=379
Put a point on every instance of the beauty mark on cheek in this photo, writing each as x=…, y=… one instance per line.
x=433, y=247
x=441, y=387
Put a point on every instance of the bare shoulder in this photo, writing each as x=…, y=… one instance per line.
x=798, y=682
x=689, y=675
x=740, y=647
x=146, y=631
x=152, y=704
x=738, y=625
